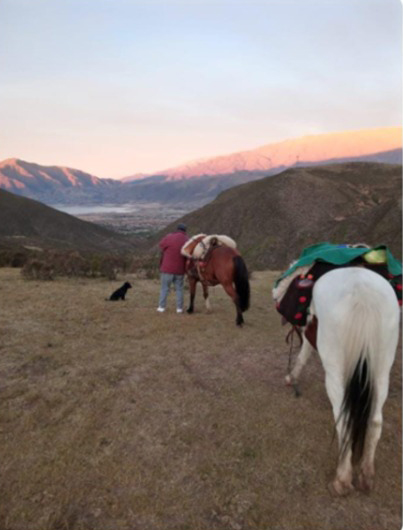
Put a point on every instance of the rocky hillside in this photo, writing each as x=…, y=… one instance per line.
x=274, y=218
x=28, y=223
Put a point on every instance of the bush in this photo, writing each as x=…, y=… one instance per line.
x=13, y=258
x=145, y=266
x=37, y=270
x=73, y=264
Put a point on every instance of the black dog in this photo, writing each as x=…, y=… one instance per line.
x=120, y=293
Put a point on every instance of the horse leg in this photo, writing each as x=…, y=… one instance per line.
x=343, y=481
x=302, y=358
x=229, y=289
x=367, y=467
x=206, y=298
x=192, y=289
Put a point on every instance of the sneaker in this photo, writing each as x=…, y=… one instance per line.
x=179, y=310
x=160, y=309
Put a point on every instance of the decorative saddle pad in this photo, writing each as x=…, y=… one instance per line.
x=292, y=292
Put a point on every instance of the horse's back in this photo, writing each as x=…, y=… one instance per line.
x=223, y=253
x=344, y=287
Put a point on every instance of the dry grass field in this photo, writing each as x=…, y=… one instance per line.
x=115, y=417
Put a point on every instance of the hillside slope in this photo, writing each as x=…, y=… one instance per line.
x=274, y=218
x=26, y=222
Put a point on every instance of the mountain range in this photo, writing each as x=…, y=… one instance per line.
x=307, y=151
x=274, y=218
x=197, y=183
x=271, y=219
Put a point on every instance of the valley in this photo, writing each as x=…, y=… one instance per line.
x=140, y=219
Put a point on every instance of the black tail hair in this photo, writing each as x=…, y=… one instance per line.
x=241, y=280
x=356, y=409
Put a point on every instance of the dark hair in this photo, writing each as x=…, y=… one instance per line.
x=182, y=227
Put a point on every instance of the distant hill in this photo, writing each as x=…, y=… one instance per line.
x=28, y=223
x=274, y=218
x=54, y=184
x=197, y=183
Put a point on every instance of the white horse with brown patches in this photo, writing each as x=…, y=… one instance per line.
x=358, y=327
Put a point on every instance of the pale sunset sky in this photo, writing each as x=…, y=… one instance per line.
x=118, y=87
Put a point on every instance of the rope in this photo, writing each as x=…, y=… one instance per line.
x=290, y=340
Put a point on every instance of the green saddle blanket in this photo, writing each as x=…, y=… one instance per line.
x=342, y=254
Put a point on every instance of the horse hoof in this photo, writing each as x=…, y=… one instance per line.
x=288, y=380
x=337, y=488
x=365, y=483
x=189, y=311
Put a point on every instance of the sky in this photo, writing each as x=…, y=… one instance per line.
x=120, y=87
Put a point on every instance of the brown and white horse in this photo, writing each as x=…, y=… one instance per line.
x=358, y=327
x=221, y=265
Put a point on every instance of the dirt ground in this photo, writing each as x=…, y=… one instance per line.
x=116, y=417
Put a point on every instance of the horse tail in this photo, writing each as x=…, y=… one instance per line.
x=241, y=280
x=361, y=330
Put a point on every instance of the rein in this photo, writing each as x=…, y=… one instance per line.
x=290, y=340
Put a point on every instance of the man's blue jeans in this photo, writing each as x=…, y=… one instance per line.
x=166, y=281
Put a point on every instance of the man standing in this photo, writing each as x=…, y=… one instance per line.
x=172, y=267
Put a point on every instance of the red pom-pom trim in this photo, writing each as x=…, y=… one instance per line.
x=298, y=316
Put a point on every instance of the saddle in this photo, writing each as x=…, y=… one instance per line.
x=294, y=303
x=201, y=250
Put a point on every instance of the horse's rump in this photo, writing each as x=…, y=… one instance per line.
x=358, y=317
